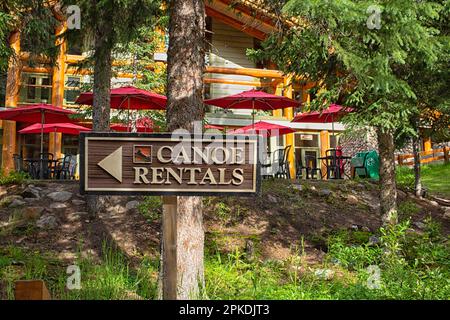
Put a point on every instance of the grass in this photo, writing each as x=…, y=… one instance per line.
x=435, y=177
x=411, y=266
x=13, y=178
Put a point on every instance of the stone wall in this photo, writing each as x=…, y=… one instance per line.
x=355, y=141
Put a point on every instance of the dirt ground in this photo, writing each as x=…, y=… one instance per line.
x=285, y=218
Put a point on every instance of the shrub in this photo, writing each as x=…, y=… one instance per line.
x=13, y=178
x=151, y=208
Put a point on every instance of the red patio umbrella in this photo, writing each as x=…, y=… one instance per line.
x=142, y=125
x=129, y=98
x=66, y=128
x=253, y=99
x=333, y=113
x=211, y=126
x=264, y=128
x=41, y=113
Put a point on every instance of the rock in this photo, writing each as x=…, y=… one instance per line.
x=420, y=225
x=272, y=198
x=351, y=199
x=32, y=213
x=30, y=192
x=60, y=196
x=58, y=205
x=78, y=202
x=374, y=240
x=30, y=200
x=324, y=274
x=434, y=203
x=132, y=205
x=447, y=212
x=47, y=222
x=17, y=203
x=360, y=186
x=354, y=227
x=325, y=192
x=116, y=209
x=335, y=261
x=76, y=216
x=299, y=187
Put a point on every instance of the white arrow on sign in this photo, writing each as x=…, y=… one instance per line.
x=113, y=164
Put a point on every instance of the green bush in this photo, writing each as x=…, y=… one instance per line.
x=151, y=208
x=13, y=178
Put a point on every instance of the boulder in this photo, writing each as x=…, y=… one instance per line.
x=374, y=240
x=324, y=274
x=60, y=196
x=32, y=213
x=351, y=199
x=325, y=192
x=58, y=205
x=420, y=225
x=78, y=202
x=447, y=212
x=17, y=203
x=30, y=192
x=47, y=222
x=116, y=209
x=132, y=205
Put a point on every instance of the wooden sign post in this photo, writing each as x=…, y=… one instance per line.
x=171, y=166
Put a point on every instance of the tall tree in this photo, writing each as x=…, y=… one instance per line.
x=110, y=24
x=186, y=61
x=354, y=49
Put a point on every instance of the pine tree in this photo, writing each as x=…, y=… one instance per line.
x=355, y=50
x=185, y=106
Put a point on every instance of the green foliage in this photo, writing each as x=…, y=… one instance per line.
x=13, y=178
x=151, y=208
x=355, y=65
x=5, y=49
x=35, y=20
x=407, y=209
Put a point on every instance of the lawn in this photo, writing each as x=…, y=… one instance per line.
x=435, y=178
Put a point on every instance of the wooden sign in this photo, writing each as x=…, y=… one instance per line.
x=161, y=164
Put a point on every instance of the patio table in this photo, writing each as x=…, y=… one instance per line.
x=33, y=165
x=336, y=159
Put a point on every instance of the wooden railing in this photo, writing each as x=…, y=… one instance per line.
x=425, y=157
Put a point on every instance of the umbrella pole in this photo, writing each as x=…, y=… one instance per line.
x=128, y=121
x=41, y=156
x=253, y=113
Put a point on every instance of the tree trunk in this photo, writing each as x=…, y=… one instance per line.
x=417, y=179
x=185, y=65
x=102, y=87
x=388, y=191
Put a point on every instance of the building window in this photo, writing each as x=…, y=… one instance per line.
x=72, y=89
x=69, y=144
x=35, y=88
x=334, y=141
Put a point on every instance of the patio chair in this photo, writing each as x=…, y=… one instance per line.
x=18, y=163
x=311, y=168
x=63, y=169
x=282, y=164
x=359, y=163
